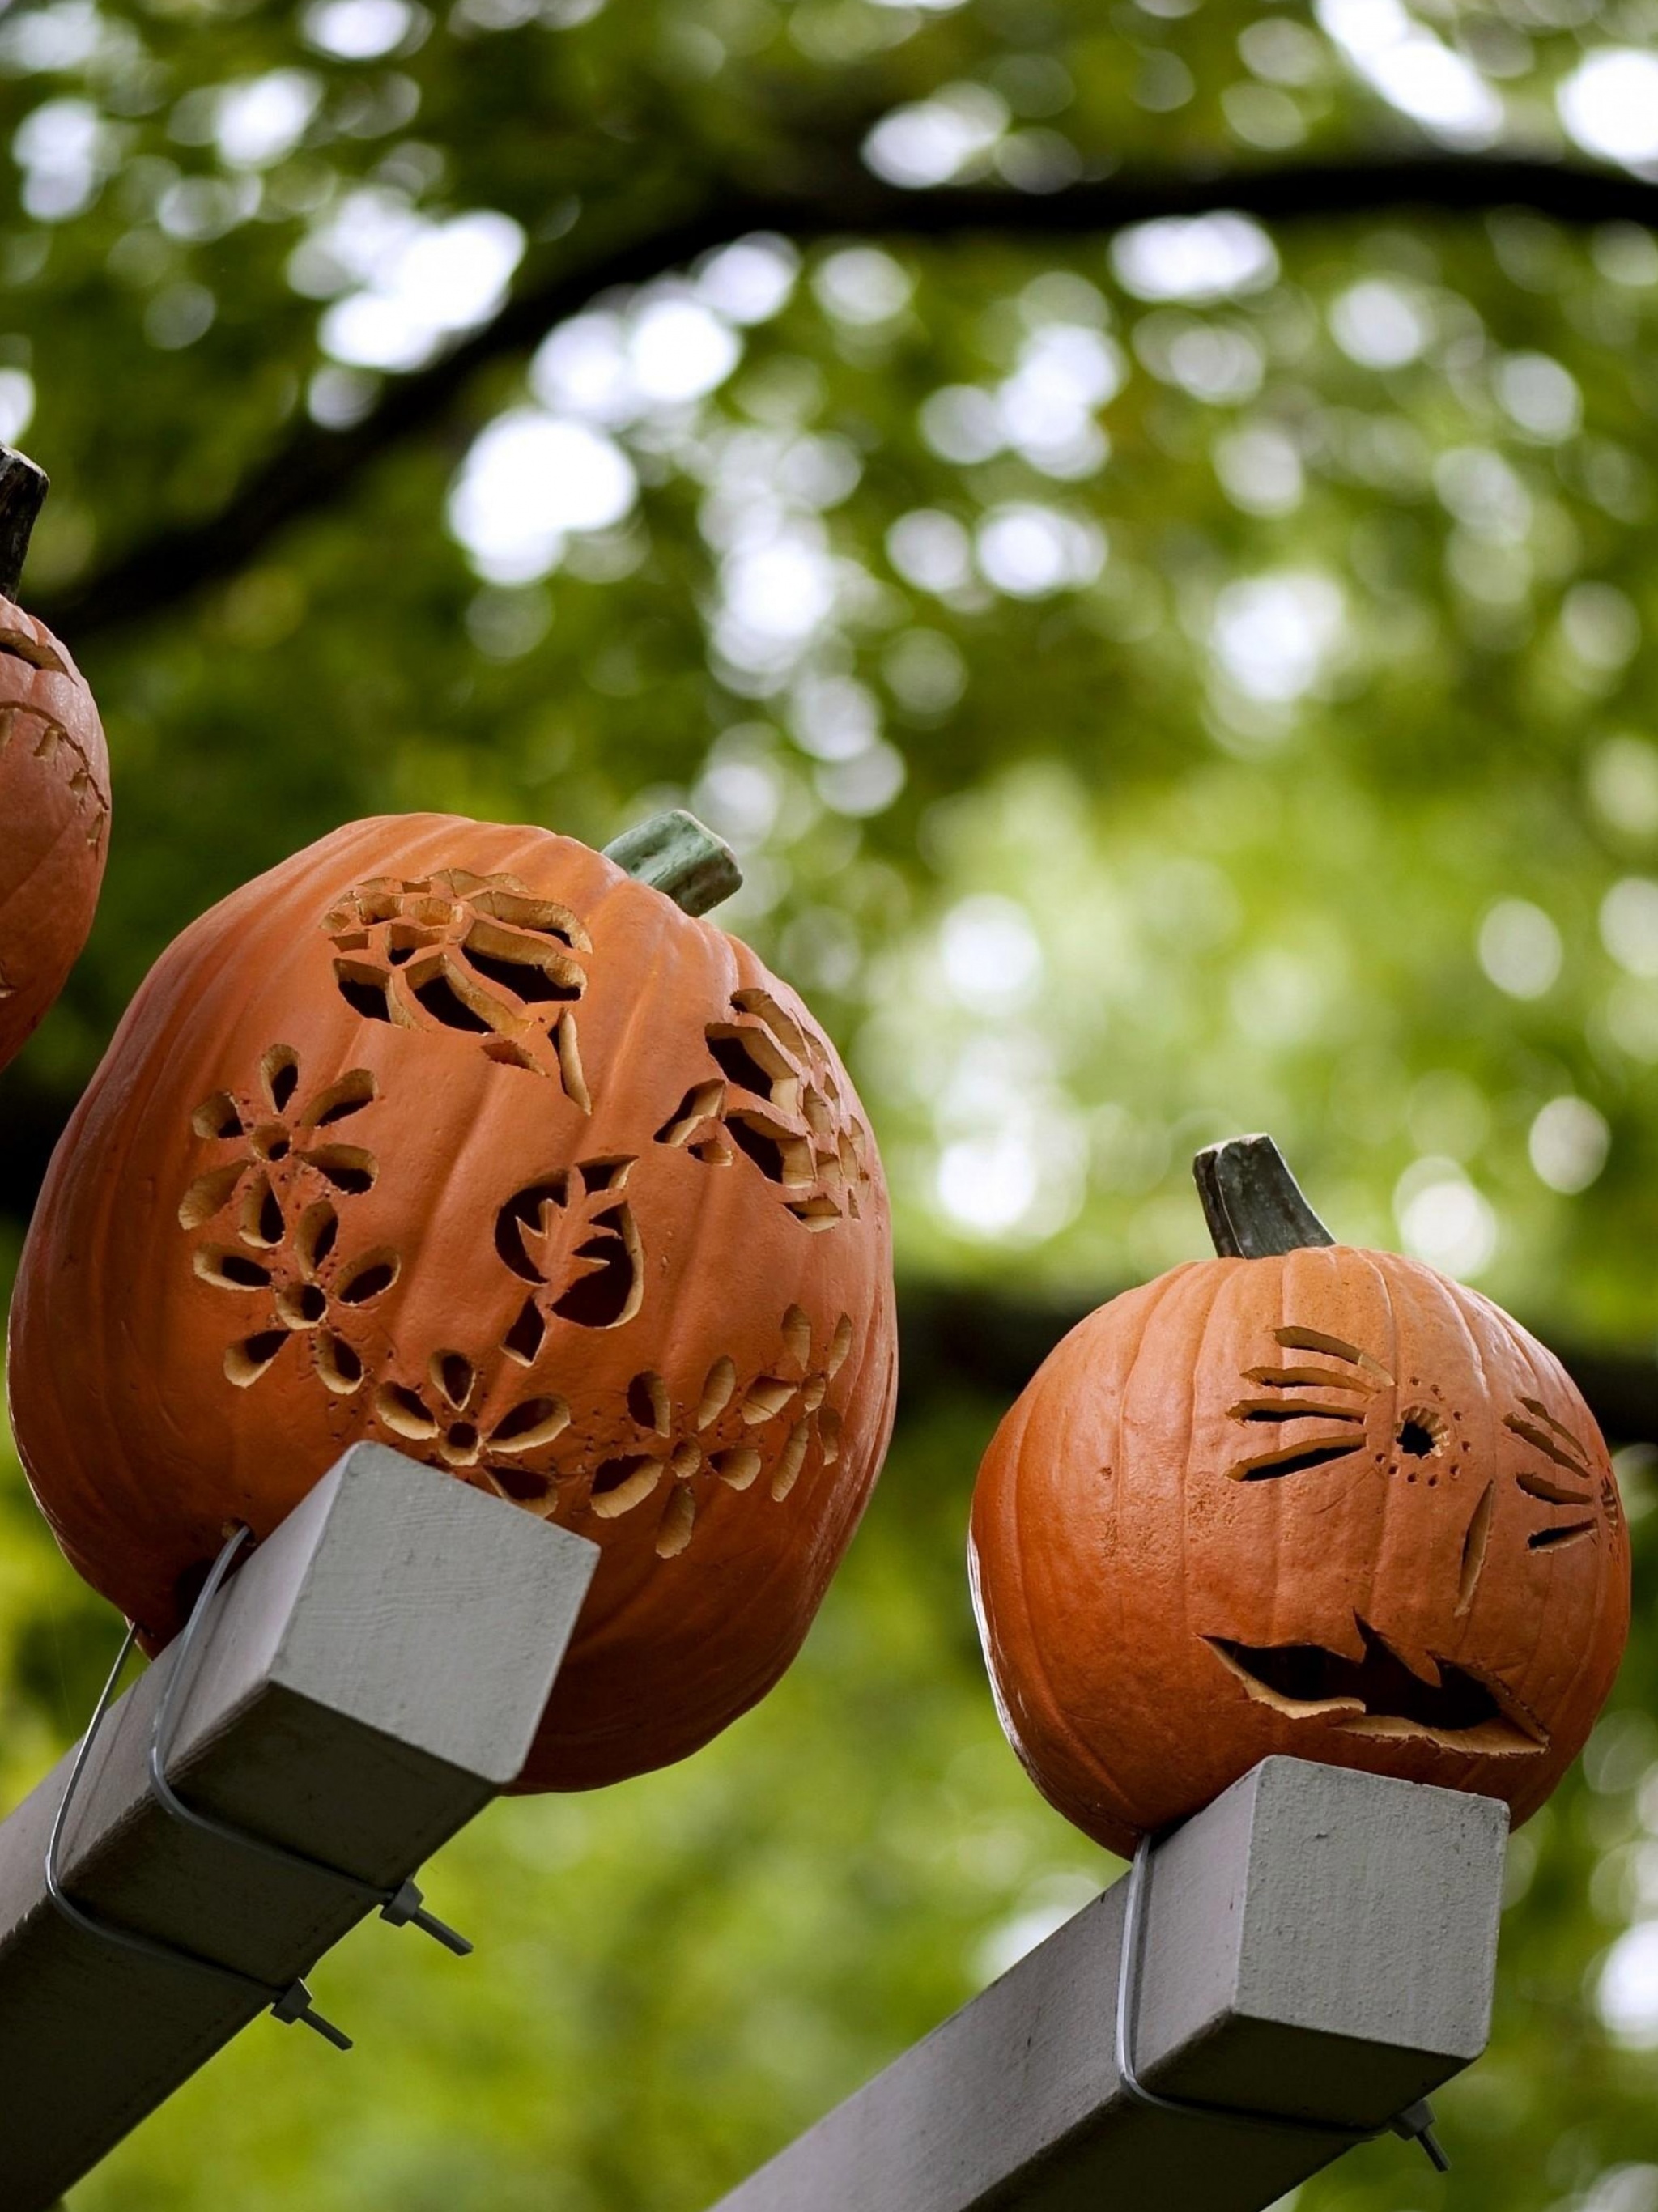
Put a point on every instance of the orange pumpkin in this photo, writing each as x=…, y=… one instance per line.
x=1301, y=1499
x=54, y=787
x=462, y=1139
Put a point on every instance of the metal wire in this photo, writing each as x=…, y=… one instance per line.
x=1414, y=2124
x=291, y=2004
x=402, y=1906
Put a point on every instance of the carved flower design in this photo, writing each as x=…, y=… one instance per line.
x=774, y=1101
x=476, y=954
x=729, y=1435
x=273, y=1203
x=442, y=1416
x=572, y=1237
x=26, y=721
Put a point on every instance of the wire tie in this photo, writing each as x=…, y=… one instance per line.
x=1415, y=2124
x=401, y=1907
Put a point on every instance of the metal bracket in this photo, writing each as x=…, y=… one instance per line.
x=401, y=1907
x=1415, y=2124
x=287, y=2005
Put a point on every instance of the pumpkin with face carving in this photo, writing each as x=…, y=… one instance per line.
x=1305, y=1499
x=470, y=1141
x=54, y=820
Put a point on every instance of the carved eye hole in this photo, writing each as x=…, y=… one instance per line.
x=1334, y=1388
x=1422, y=1432
x=1565, y=1532
x=1568, y=1479
x=1537, y=1427
x=16, y=647
x=1336, y=1347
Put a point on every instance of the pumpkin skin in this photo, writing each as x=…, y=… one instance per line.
x=54, y=820
x=613, y=1244
x=1325, y=1504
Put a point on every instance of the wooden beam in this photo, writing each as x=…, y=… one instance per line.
x=1320, y=1946
x=363, y=1685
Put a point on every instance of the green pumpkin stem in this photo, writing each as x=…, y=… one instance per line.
x=23, y=487
x=675, y=854
x=1251, y=1201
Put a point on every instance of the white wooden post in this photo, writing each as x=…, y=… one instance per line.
x=1319, y=1945
x=366, y=1681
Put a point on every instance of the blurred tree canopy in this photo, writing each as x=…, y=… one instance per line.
x=1134, y=520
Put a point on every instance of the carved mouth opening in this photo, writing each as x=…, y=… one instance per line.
x=1380, y=1695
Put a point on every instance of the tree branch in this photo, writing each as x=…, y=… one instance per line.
x=315, y=466
x=958, y=1340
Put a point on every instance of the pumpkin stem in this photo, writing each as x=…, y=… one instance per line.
x=23, y=485
x=676, y=854
x=1251, y=1201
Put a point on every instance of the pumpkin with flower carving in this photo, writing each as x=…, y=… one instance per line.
x=478, y=1143
x=1301, y=1499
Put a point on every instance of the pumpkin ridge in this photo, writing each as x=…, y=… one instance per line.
x=38, y=866
x=1215, y=1286
x=1008, y=1446
x=1448, y=1300
x=1394, y=1362
x=1090, y=1760
x=1153, y=1308
x=1610, y=1591
x=1492, y=1317
x=1206, y=1291
x=1154, y=1304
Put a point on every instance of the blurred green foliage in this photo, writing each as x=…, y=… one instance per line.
x=1159, y=686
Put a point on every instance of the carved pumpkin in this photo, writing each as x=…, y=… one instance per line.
x=461, y=1138
x=1301, y=1499
x=54, y=788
